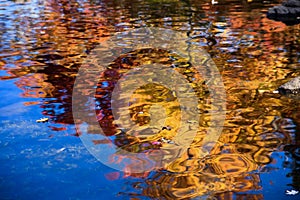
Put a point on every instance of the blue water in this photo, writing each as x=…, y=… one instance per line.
x=39, y=163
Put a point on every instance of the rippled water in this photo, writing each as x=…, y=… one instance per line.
x=44, y=43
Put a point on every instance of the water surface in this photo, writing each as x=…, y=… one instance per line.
x=44, y=43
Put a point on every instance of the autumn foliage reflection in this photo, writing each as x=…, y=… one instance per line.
x=253, y=54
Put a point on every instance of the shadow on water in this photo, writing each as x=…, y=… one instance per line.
x=43, y=44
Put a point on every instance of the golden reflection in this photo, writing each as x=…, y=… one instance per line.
x=248, y=139
x=35, y=85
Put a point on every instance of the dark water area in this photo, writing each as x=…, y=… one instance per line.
x=43, y=44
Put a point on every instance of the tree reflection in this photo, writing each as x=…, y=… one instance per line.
x=254, y=55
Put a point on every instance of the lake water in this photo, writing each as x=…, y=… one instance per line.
x=43, y=44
